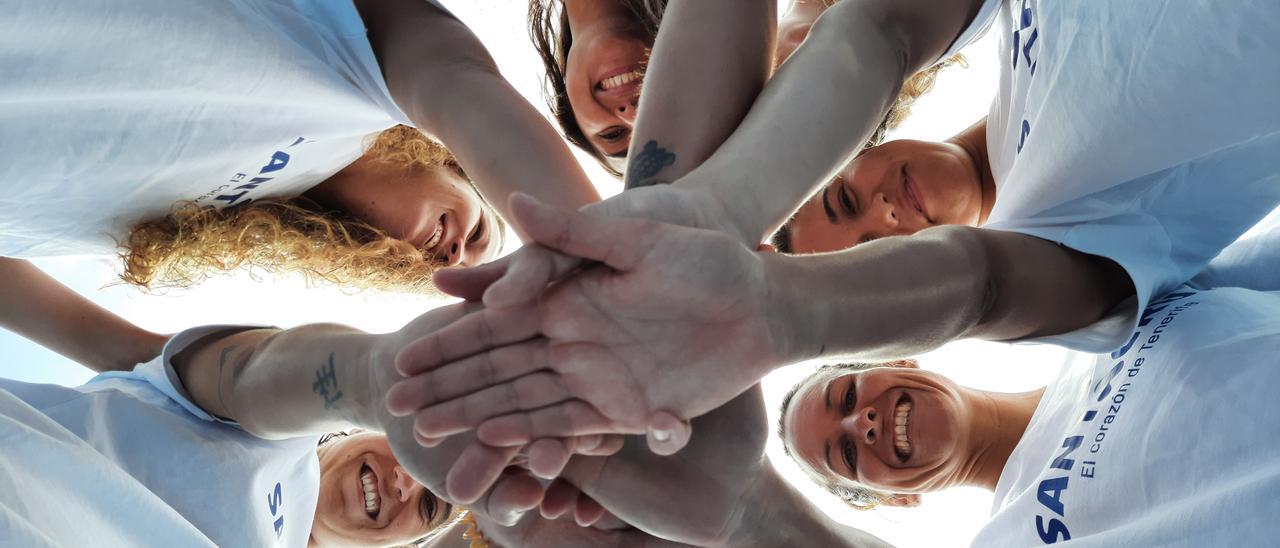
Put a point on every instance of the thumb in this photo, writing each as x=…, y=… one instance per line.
x=667, y=433
x=618, y=242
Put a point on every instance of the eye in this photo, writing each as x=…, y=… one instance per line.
x=613, y=134
x=847, y=202
x=850, y=398
x=479, y=232
x=427, y=507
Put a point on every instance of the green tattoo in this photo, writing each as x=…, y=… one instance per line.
x=327, y=384
x=647, y=164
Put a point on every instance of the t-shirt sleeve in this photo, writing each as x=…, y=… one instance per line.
x=977, y=28
x=160, y=373
x=1253, y=262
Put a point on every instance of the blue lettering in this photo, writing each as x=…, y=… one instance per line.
x=231, y=199
x=277, y=163
x=253, y=183
x=1106, y=390
x=1061, y=462
x=1056, y=529
x=1026, y=129
x=1126, y=346
x=1050, y=494
x=275, y=500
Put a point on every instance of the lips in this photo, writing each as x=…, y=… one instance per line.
x=436, y=236
x=621, y=81
x=369, y=491
x=902, y=447
x=912, y=196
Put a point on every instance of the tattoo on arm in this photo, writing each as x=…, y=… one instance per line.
x=645, y=165
x=326, y=384
x=222, y=362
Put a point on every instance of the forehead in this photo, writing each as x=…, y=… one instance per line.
x=809, y=420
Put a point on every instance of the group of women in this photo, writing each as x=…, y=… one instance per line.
x=369, y=143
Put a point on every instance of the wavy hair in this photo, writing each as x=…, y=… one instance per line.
x=549, y=31
x=290, y=234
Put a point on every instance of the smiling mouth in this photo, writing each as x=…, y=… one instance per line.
x=914, y=199
x=901, y=420
x=436, y=236
x=617, y=81
x=369, y=486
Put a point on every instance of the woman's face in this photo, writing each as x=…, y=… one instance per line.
x=894, y=189
x=603, y=73
x=431, y=208
x=367, y=499
x=898, y=429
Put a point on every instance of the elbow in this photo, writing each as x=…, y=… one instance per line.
x=973, y=287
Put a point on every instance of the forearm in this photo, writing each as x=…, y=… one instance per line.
x=822, y=105
x=278, y=384
x=904, y=296
x=780, y=516
x=38, y=307
x=442, y=77
x=709, y=62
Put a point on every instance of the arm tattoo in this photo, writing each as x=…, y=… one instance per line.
x=326, y=384
x=222, y=362
x=647, y=164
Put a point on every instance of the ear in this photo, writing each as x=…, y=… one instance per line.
x=902, y=500
x=907, y=363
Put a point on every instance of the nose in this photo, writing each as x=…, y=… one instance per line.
x=455, y=252
x=882, y=212
x=403, y=484
x=624, y=108
x=863, y=425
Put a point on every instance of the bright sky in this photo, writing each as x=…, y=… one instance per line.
x=960, y=98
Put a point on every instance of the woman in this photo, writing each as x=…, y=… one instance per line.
x=594, y=89
x=1167, y=440
x=279, y=132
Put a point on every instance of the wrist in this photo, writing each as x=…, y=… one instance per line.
x=796, y=320
x=374, y=374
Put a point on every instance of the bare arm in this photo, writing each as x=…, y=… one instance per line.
x=709, y=62
x=822, y=105
x=907, y=295
x=446, y=82
x=36, y=306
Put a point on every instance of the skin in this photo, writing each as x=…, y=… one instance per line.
x=407, y=510
x=841, y=428
x=411, y=202
x=607, y=42
x=950, y=184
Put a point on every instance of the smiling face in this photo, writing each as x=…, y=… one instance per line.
x=603, y=73
x=432, y=208
x=897, y=429
x=894, y=189
x=367, y=499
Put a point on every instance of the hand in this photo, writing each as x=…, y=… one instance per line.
x=521, y=277
x=515, y=491
x=534, y=531
x=673, y=324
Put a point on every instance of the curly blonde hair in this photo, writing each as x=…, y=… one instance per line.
x=293, y=234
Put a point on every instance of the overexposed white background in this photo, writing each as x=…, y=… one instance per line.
x=960, y=98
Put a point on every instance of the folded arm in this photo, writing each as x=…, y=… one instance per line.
x=444, y=79
x=38, y=307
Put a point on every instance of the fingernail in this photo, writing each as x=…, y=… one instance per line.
x=662, y=435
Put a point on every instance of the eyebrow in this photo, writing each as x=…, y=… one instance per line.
x=826, y=397
x=826, y=455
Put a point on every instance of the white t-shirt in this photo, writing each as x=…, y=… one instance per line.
x=111, y=112
x=1145, y=131
x=128, y=460
x=1172, y=440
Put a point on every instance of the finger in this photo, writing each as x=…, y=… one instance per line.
x=476, y=332
x=526, y=393
x=512, y=496
x=427, y=441
x=561, y=497
x=563, y=420
x=465, y=376
x=527, y=276
x=476, y=470
x=609, y=444
x=548, y=456
x=667, y=434
x=470, y=283
x=588, y=511
x=618, y=242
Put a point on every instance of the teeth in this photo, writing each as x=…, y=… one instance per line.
x=621, y=79
x=371, y=501
x=435, y=236
x=901, y=416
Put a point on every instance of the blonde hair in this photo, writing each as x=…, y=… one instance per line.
x=294, y=234
x=913, y=88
